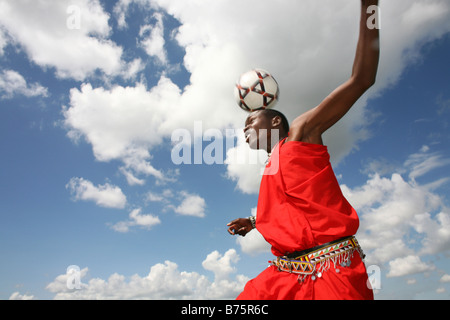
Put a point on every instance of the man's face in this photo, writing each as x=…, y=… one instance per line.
x=257, y=130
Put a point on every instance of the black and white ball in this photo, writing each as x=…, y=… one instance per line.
x=255, y=90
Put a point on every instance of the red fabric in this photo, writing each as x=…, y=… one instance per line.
x=349, y=284
x=301, y=206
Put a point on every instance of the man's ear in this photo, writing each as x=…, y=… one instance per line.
x=276, y=121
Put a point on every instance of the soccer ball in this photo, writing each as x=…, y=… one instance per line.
x=256, y=90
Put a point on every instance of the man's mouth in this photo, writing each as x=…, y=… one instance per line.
x=247, y=136
x=249, y=133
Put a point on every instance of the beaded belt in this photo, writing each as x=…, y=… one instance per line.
x=317, y=260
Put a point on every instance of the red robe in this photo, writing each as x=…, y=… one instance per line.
x=301, y=206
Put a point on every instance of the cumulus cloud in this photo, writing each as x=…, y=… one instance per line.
x=122, y=123
x=191, y=205
x=65, y=283
x=3, y=41
x=17, y=296
x=164, y=196
x=106, y=195
x=221, y=265
x=401, y=221
x=121, y=9
x=70, y=36
x=13, y=83
x=407, y=265
x=253, y=243
x=164, y=281
x=445, y=278
x=153, y=39
x=183, y=202
x=146, y=221
x=245, y=166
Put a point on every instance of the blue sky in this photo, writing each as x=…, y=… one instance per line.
x=92, y=91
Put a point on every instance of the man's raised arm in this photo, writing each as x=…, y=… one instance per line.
x=310, y=126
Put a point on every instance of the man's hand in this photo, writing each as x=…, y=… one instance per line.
x=240, y=226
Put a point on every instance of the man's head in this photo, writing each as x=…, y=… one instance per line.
x=264, y=128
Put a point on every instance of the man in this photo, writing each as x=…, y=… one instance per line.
x=301, y=210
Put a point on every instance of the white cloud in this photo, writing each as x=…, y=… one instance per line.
x=70, y=36
x=131, y=179
x=106, y=195
x=182, y=202
x=3, y=41
x=191, y=205
x=423, y=162
x=121, y=9
x=59, y=284
x=245, y=166
x=122, y=123
x=221, y=265
x=400, y=220
x=164, y=196
x=133, y=68
x=253, y=243
x=440, y=290
x=13, y=83
x=435, y=229
x=389, y=209
x=407, y=265
x=153, y=39
x=164, y=281
x=154, y=197
x=18, y=296
x=137, y=219
x=445, y=278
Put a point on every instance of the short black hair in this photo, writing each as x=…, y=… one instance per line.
x=272, y=113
